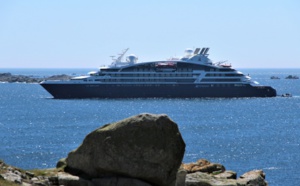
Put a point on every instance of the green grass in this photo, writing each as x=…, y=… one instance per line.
x=45, y=172
x=7, y=183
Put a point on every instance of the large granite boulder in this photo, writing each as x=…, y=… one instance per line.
x=147, y=147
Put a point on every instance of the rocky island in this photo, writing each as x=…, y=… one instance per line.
x=143, y=150
x=10, y=78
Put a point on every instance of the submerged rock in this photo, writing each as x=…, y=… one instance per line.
x=147, y=147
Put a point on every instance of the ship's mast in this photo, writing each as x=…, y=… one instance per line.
x=119, y=59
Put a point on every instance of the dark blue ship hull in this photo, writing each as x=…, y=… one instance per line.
x=69, y=91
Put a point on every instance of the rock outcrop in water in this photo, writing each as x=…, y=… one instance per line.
x=144, y=150
x=8, y=77
x=203, y=165
x=205, y=173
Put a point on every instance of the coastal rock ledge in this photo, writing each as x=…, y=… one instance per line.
x=143, y=150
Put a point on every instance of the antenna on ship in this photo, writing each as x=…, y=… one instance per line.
x=196, y=51
x=119, y=59
x=206, y=50
x=202, y=51
x=112, y=58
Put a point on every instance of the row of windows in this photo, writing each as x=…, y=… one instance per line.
x=220, y=80
x=227, y=85
x=224, y=75
x=157, y=69
x=220, y=85
x=197, y=86
x=146, y=80
x=154, y=69
x=153, y=75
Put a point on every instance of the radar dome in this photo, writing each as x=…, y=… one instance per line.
x=131, y=58
x=188, y=52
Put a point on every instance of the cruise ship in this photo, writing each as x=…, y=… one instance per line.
x=192, y=76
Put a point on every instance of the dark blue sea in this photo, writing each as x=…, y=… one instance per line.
x=241, y=133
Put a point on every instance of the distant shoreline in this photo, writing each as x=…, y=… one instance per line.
x=10, y=78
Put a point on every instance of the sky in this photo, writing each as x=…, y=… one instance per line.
x=84, y=34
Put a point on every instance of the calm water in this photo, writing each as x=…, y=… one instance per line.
x=242, y=134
